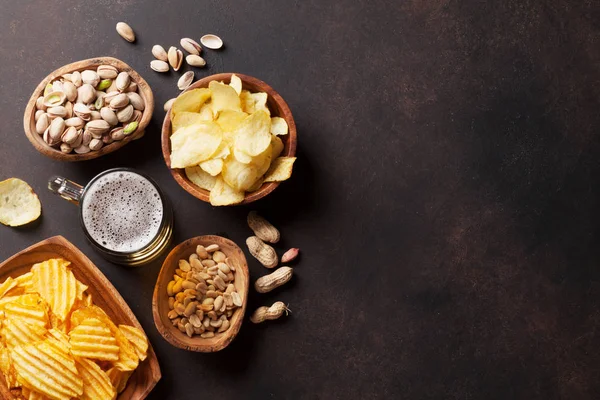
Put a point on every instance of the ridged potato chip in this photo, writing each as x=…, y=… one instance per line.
x=19, y=333
x=223, y=97
x=280, y=170
x=195, y=143
x=96, y=383
x=7, y=368
x=93, y=339
x=46, y=369
x=8, y=284
x=279, y=126
x=137, y=338
x=118, y=378
x=191, y=101
x=29, y=314
x=236, y=83
x=56, y=284
x=200, y=178
x=224, y=195
x=252, y=136
x=19, y=205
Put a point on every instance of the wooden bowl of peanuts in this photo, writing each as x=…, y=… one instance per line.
x=200, y=295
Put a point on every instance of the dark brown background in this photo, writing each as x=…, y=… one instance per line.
x=445, y=199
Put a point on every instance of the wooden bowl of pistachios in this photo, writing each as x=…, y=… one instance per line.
x=87, y=109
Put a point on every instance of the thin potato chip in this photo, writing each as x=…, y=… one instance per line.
x=19, y=205
x=236, y=83
x=279, y=126
x=185, y=118
x=206, y=112
x=96, y=383
x=281, y=169
x=229, y=120
x=262, y=162
x=93, y=339
x=247, y=102
x=213, y=167
x=257, y=185
x=241, y=156
x=253, y=136
x=118, y=378
x=276, y=147
x=224, y=195
x=193, y=144
x=200, y=178
x=238, y=175
x=224, y=97
x=260, y=102
x=56, y=284
x=191, y=101
x=137, y=338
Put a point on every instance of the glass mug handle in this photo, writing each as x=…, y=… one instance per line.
x=66, y=189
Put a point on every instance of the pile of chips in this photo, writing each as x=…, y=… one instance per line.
x=56, y=344
x=227, y=141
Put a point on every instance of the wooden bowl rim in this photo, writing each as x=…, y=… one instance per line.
x=151, y=361
x=290, y=140
x=169, y=332
x=29, y=116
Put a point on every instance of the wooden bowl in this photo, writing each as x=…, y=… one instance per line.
x=105, y=296
x=278, y=107
x=160, y=299
x=92, y=63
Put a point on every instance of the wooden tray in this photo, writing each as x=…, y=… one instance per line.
x=105, y=296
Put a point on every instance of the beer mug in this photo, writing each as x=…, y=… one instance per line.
x=123, y=213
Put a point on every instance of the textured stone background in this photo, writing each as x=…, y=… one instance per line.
x=445, y=199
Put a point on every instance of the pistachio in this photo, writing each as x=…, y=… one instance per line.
x=159, y=66
x=82, y=111
x=175, y=58
x=113, y=87
x=195, y=61
x=137, y=116
x=76, y=79
x=185, y=80
x=90, y=77
x=107, y=139
x=104, y=84
x=58, y=111
x=136, y=100
x=96, y=144
x=38, y=114
x=70, y=90
x=54, y=99
x=65, y=148
x=123, y=80
x=86, y=137
x=82, y=149
x=48, y=139
x=133, y=87
x=56, y=129
x=95, y=115
x=107, y=72
x=191, y=46
x=67, y=77
x=109, y=116
x=48, y=89
x=168, y=104
x=69, y=108
x=211, y=41
x=75, y=121
x=86, y=93
x=97, y=127
x=70, y=135
x=110, y=95
x=79, y=139
x=119, y=101
x=57, y=86
x=39, y=103
x=99, y=103
x=125, y=32
x=130, y=128
x=125, y=114
x=159, y=52
x=42, y=124
x=117, y=134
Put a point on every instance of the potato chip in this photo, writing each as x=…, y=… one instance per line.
x=206, y=112
x=242, y=157
x=60, y=336
x=213, y=167
x=238, y=175
x=19, y=333
x=236, y=83
x=253, y=136
x=46, y=369
x=118, y=378
x=279, y=126
x=8, y=284
x=276, y=147
x=56, y=284
x=93, y=339
x=262, y=162
x=96, y=383
x=257, y=185
x=223, y=195
x=80, y=289
x=195, y=143
x=247, y=102
x=8, y=369
x=30, y=314
x=191, y=101
x=281, y=169
x=260, y=102
x=137, y=338
x=223, y=97
x=229, y=120
x=200, y=178
x=33, y=395
x=25, y=281
x=19, y=205
x=185, y=118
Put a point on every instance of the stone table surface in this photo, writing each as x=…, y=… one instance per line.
x=445, y=199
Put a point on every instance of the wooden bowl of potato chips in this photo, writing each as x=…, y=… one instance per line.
x=229, y=139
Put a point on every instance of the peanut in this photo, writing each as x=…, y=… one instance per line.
x=269, y=313
x=201, y=251
x=290, y=255
x=263, y=228
x=269, y=282
x=184, y=266
x=212, y=248
x=264, y=253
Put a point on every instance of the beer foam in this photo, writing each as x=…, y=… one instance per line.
x=122, y=211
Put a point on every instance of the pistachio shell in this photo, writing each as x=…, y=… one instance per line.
x=82, y=149
x=117, y=134
x=70, y=135
x=54, y=99
x=79, y=138
x=113, y=87
x=39, y=103
x=175, y=58
x=57, y=86
x=107, y=72
x=195, y=61
x=82, y=111
x=123, y=80
x=97, y=127
x=119, y=101
x=211, y=41
x=136, y=100
x=76, y=79
x=159, y=66
x=70, y=90
x=57, y=127
x=96, y=115
x=109, y=116
x=125, y=32
x=96, y=144
x=137, y=116
x=75, y=121
x=133, y=87
x=185, y=80
x=159, y=52
x=86, y=93
x=42, y=124
x=169, y=104
x=86, y=138
x=191, y=46
x=65, y=148
x=90, y=77
x=125, y=114
x=69, y=108
x=58, y=111
x=38, y=115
